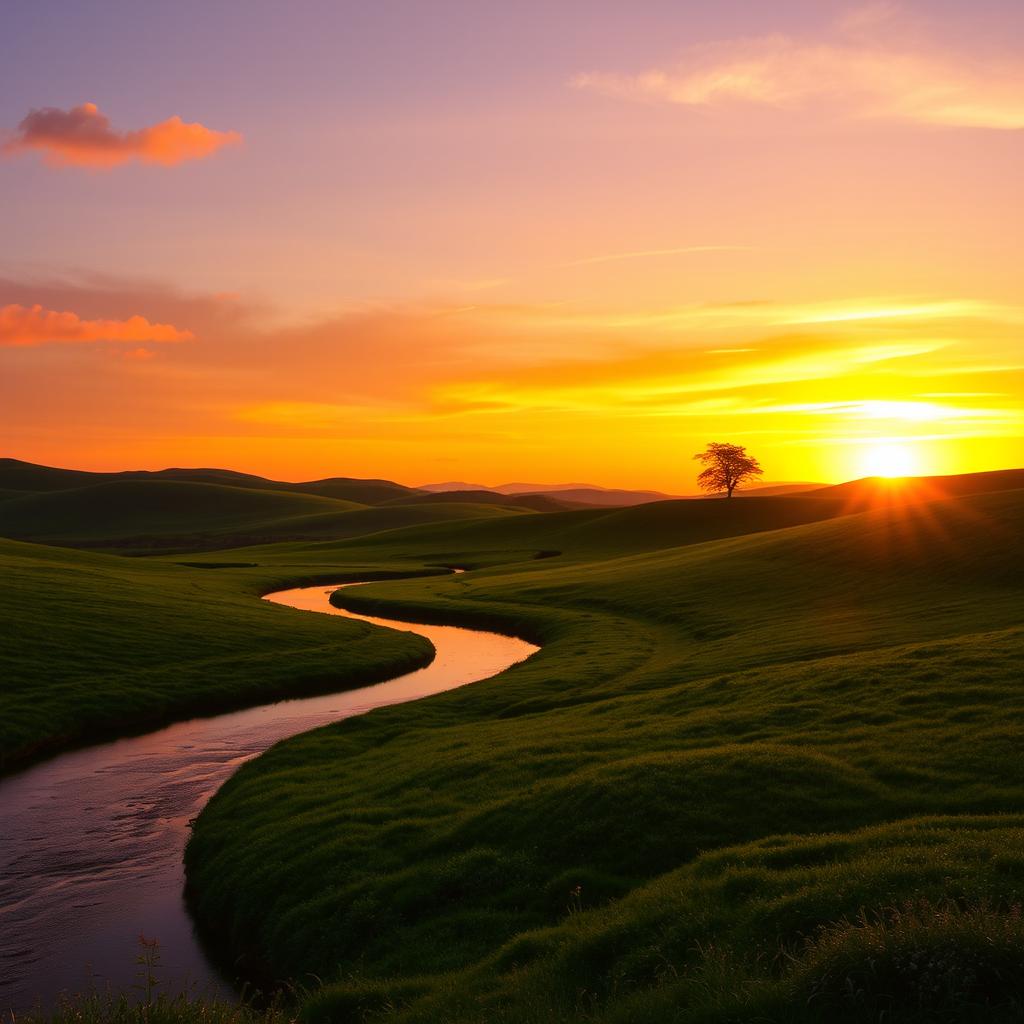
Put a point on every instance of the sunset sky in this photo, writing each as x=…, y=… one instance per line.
x=501, y=241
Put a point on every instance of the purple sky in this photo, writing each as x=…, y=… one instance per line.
x=569, y=186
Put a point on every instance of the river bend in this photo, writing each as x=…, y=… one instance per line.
x=91, y=841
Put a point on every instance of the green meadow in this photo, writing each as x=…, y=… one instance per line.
x=766, y=765
x=731, y=762
x=98, y=645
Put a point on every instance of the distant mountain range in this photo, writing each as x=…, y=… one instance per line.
x=16, y=476
x=194, y=509
x=593, y=494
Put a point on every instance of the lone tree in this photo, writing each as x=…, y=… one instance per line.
x=726, y=466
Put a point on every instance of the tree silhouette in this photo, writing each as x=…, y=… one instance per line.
x=726, y=466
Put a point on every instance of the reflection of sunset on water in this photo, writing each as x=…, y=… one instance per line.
x=91, y=851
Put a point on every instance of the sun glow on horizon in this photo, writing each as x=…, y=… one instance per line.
x=551, y=254
x=889, y=459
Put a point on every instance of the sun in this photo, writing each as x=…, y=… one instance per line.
x=889, y=459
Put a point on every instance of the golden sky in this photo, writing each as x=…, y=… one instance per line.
x=521, y=245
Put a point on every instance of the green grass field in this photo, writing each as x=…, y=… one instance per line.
x=583, y=534
x=765, y=767
x=98, y=645
x=725, y=752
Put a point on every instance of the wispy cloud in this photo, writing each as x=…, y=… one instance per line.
x=909, y=411
x=864, y=67
x=881, y=310
x=83, y=137
x=33, y=325
x=391, y=386
x=641, y=253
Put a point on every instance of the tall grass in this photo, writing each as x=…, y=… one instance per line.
x=147, y=1003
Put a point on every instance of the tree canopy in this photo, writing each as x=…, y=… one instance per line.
x=726, y=466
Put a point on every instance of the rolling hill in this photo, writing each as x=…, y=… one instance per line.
x=531, y=502
x=588, y=534
x=700, y=801
x=99, y=645
x=767, y=746
x=591, y=494
x=582, y=494
x=873, y=491
x=152, y=508
x=195, y=510
x=27, y=476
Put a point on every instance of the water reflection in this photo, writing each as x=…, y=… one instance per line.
x=91, y=841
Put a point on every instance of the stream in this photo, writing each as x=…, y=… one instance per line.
x=92, y=841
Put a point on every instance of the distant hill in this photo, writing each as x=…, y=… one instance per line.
x=534, y=502
x=513, y=488
x=182, y=510
x=874, y=490
x=366, y=492
x=597, y=532
x=142, y=508
x=27, y=476
x=592, y=494
x=140, y=511
x=797, y=487
x=176, y=515
x=607, y=497
x=578, y=493
x=18, y=476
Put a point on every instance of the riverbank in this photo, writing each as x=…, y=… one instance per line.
x=92, y=853
x=101, y=646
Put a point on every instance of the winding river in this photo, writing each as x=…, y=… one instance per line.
x=91, y=841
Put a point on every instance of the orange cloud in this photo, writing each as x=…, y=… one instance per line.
x=33, y=325
x=864, y=70
x=82, y=137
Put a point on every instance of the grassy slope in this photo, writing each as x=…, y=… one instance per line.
x=830, y=677
x=579, y=534
x=137, y=508
x=362, y=521
x=140, y=515
x=94, y=645
x=533, y=502
x=28, y=476
x=872, y=490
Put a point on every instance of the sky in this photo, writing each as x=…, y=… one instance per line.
x=539, y=241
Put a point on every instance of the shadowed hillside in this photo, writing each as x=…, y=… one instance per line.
x=27, y=476
x=152, y=512
x=592, y=533
x=147, y=508
x=533, y=502
x=157, y=511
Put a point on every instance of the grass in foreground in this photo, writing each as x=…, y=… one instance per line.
x=678, y=808
x=147, y=1003
x=109, y=1008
